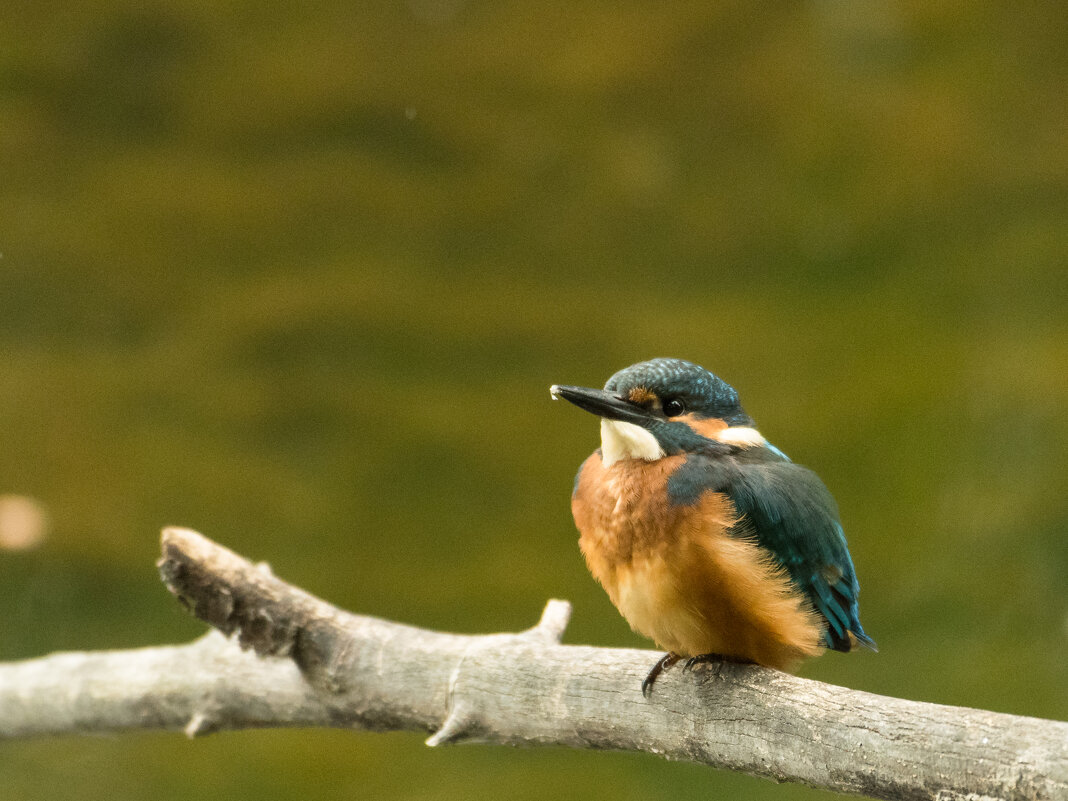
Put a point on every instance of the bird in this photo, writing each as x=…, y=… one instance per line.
x=708, y=539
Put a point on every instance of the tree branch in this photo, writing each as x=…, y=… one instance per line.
x=311, y=664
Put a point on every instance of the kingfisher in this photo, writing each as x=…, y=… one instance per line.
x=708, y=539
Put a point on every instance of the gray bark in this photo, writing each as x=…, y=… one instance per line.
x=297, y=661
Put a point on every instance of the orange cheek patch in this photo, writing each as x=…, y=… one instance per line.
x=708, y=427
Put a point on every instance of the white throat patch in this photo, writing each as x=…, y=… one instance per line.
x=741, y=435
x=621, y=440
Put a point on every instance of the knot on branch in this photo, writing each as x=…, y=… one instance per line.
x=463, y=721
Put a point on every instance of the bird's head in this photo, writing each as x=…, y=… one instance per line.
x=663, y=407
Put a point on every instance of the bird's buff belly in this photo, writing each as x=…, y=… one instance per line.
x=714, y=595
x=646, y=593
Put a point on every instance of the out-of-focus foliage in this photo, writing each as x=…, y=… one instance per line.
x=300, y=275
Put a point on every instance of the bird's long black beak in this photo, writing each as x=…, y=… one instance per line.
x=602, y=403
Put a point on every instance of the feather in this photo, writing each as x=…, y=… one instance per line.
x=785, y=509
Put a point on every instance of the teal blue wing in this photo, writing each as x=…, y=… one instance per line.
x=790, y=513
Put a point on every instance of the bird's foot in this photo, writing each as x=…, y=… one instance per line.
x=662, y=664
x=703, y=659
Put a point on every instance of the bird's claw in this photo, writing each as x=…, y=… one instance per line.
x=662, y=664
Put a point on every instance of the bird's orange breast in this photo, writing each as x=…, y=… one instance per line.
x=676, y=574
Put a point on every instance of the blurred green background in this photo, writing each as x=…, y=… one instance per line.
x=299, y=276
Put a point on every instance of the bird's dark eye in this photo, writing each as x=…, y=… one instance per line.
x=673, y=407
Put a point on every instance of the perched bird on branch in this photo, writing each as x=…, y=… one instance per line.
x=708, y=539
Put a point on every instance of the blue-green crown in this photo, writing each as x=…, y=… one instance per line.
x=704, y=394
